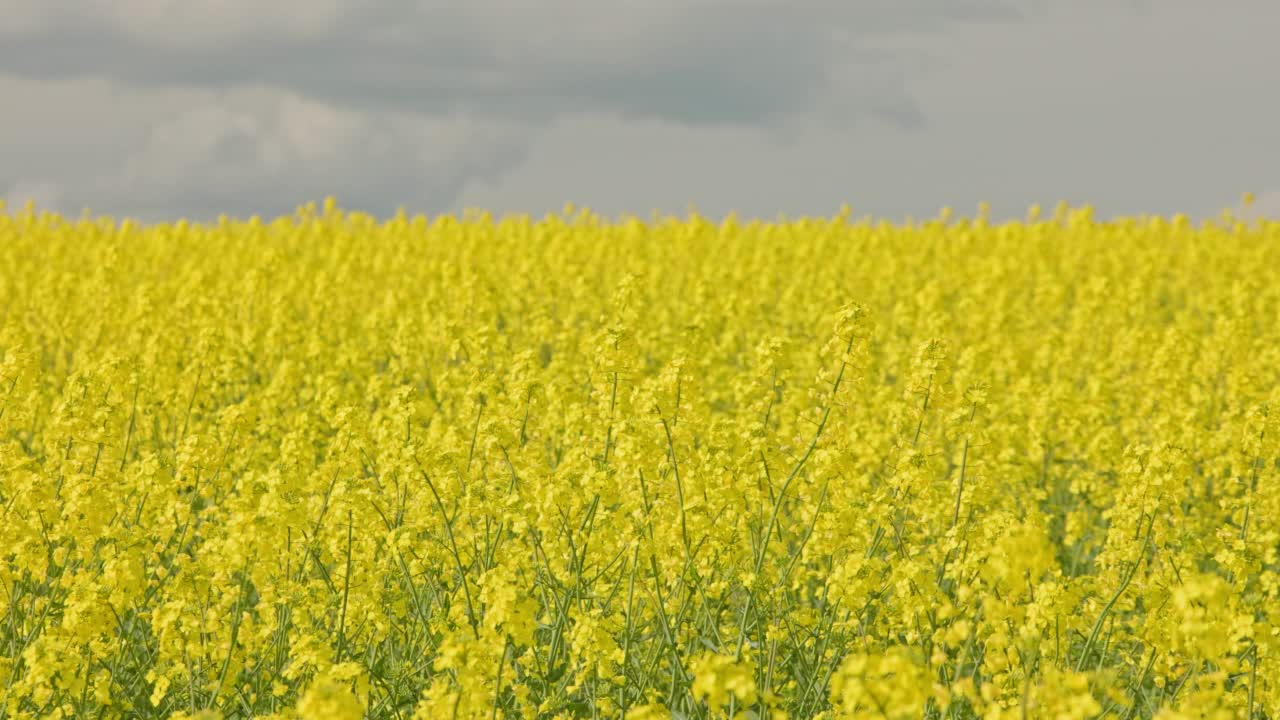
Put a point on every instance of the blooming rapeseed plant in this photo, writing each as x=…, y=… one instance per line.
x=331, y=466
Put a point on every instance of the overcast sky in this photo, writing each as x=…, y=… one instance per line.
x=168, y=108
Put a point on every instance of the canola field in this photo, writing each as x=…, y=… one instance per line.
x=331, y=466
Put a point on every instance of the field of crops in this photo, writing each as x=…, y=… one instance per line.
x=331, y=466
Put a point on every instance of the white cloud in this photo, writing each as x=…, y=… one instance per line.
x=156, y=152
x=266, y=151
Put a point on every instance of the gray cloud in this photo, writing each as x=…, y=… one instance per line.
x=1130, y=109
x=725, y=62
x=167, y=107
x=1265, y=206
x=44, y=195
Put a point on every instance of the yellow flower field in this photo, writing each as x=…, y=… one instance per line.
x=330, y=466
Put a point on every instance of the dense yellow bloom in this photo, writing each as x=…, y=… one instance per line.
x=890, y=685
x=330, y=466
x=329, y=698
x=722, y=682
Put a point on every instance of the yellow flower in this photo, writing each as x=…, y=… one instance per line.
x=889, y=685
x=324, y=464
x=718, y=678
x=330, y=698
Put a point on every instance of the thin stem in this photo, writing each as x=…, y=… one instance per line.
x=1106, y=610
x=453, y=549
x=786, y=484
x=346, y=592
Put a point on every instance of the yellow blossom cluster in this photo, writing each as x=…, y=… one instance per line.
x=330, y=466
